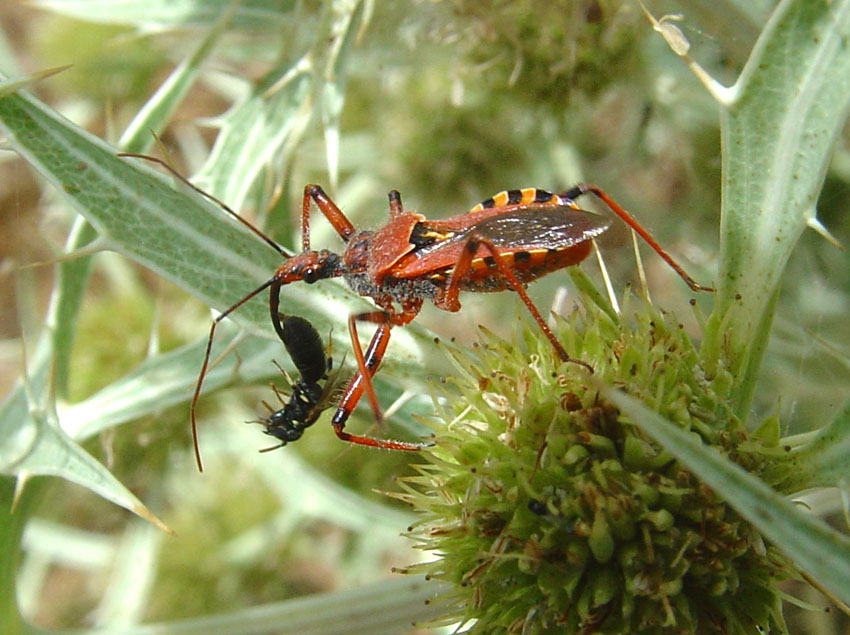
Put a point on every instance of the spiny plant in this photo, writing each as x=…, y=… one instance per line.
x=635, y=499
x=550, y=510
x=780, y=122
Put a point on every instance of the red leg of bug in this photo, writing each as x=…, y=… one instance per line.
x=365, y=371
x=584, y=188
x=366, y=367
x=329, y=209
x=450, y=301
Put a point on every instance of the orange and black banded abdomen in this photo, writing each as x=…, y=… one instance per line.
x=484, y=275
x=527, y=196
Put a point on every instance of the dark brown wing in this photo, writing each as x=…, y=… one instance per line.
x=520, y=228
x=532, y=228
x=539, y=227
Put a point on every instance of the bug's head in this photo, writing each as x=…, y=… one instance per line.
x=310, y=266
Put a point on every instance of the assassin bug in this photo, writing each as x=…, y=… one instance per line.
x=503, y=243
x=306, y=403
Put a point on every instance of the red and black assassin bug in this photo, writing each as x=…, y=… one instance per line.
x=503, y=243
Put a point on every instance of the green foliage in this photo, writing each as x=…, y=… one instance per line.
x=448, y=103
x=550, y=512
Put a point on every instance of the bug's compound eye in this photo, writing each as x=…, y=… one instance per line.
x=309, y=275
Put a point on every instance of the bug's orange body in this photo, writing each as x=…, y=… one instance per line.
x=502, y=243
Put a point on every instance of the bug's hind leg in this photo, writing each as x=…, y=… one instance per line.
x=450, y=298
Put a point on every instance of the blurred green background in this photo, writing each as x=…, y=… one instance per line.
x=447, y=101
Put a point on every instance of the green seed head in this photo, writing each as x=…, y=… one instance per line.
x=549, y=511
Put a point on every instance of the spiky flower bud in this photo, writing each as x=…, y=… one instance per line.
x=549, y=511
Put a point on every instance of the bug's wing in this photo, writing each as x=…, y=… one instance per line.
x=539, y=227
x=514, y=229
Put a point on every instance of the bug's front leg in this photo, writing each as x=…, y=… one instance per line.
x=329, y=209
x=367, y=365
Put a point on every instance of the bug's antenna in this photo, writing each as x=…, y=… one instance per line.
x=271, y=243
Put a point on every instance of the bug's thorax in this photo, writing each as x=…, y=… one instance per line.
x=357, y=252
x=376, y=252
x=372, y=262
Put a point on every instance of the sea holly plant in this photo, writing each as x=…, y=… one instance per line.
x=644, y=497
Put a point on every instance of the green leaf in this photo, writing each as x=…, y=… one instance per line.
x=15, y=511
x=391, y=606
x=817, y=549
x=31, y=441
x=779, y=123
x=264, y=15
x=819, y=462
x=33, y=444
x=263, y=128
x=157, y=110
x=52, y=451
x=345, y=22
x=10, y=86
x=310, y=493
